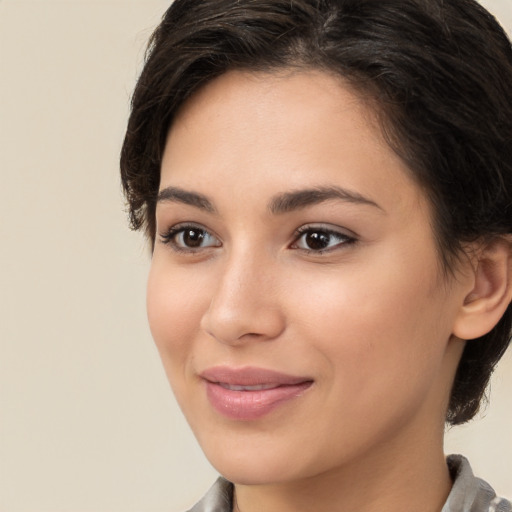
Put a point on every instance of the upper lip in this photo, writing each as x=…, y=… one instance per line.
x=250, y=376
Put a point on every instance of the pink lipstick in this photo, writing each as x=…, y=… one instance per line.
x=249, y=393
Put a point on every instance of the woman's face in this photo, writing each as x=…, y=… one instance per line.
x=295, y=293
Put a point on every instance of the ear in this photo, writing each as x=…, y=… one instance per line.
x=491, y=292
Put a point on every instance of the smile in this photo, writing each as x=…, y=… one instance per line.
x=250, y=393
x=234, y=387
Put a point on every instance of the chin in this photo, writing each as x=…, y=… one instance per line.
x=256, y=459
x=253, y=471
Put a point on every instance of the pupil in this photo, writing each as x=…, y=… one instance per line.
x=317, y=240
x=193, y=237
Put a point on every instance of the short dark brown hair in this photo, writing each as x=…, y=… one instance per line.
x=439, y=72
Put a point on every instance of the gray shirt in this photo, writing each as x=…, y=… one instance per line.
x=468, y=494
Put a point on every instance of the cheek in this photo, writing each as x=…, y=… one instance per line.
x=388, y=322
x=377, y=350
x=174, y=309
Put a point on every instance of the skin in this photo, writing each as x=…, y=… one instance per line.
x=370, y=320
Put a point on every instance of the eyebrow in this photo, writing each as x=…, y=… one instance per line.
x=280, y=204
x=178, y=195
x=299, y=199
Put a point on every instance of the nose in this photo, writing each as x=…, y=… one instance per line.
x=245, y=304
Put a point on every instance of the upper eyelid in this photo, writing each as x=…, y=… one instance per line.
x=183, y=225
x=327, y=228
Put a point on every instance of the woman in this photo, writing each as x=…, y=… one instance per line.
x=327, y=187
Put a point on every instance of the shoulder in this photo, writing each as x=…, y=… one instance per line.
x=469, y=493
x=218, y=499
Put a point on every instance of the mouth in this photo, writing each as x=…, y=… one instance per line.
x=235, y=387
x=250, y=393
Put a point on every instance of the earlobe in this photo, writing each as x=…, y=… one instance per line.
x=491, y=292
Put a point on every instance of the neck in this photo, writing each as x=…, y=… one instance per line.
x=412, y=477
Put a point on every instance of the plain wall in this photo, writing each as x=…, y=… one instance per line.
x=87, y=420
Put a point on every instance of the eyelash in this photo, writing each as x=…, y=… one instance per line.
x=169, y=238
x=344, y=238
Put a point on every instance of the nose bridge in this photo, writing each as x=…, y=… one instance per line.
x=244, y=304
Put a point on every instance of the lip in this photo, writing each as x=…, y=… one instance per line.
x=250, y=393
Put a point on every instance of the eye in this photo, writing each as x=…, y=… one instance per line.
x=189, y=238
x=319, y=239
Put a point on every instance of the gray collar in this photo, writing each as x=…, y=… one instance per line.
x=469, y=493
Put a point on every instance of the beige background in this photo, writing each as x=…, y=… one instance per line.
x=87, y=422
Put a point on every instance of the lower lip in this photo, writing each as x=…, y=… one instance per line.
x=251, y=405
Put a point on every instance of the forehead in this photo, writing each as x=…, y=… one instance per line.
x=287, y=95
x=291, y=127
